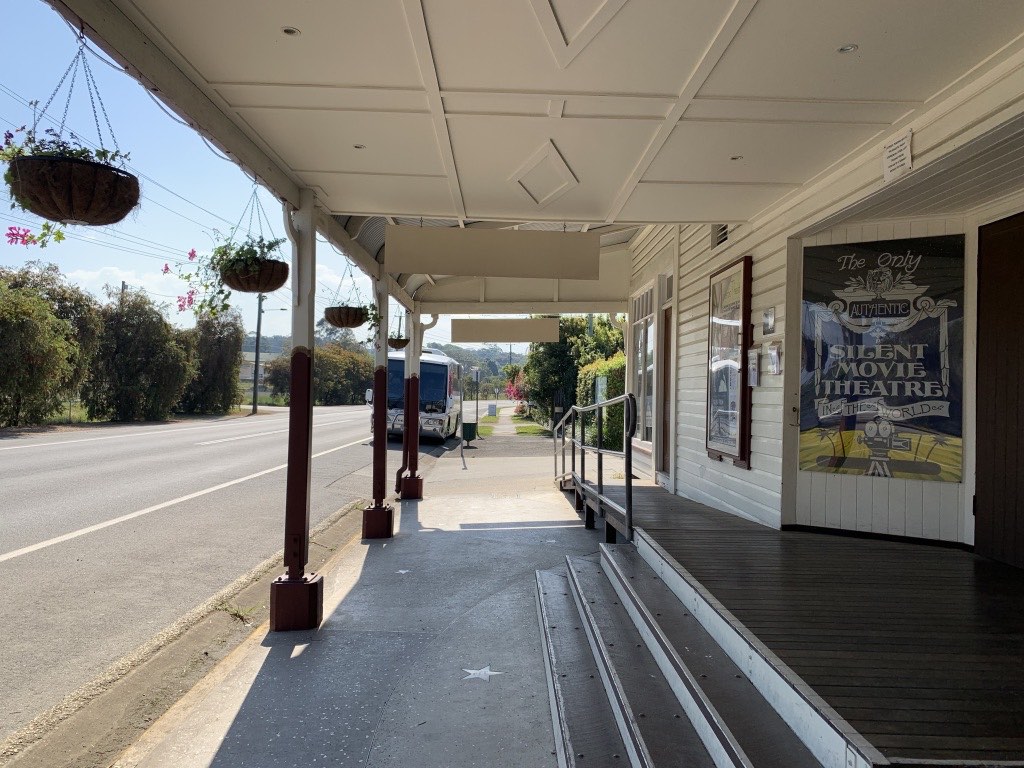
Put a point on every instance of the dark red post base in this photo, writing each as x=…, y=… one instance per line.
x=379, y=522
x=297, y=604
x=412, y=488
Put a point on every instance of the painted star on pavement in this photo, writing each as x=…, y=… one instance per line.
x=483, y=674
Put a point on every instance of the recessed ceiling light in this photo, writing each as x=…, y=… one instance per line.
x=358, y=146
x=291, y=31
x=848, y=48
x=736, y=157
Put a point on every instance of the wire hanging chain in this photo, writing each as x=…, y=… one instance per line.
x=38, y=116
x=93, y=90
x=90, y=82
x=255, y=210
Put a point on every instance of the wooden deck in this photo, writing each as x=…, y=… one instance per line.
x=919, y=647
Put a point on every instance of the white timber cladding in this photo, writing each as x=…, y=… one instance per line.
x=652, y=257
x=757, y=493
x=918, y=508
x=754, y=492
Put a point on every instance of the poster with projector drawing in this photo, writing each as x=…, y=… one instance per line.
x=881, y=377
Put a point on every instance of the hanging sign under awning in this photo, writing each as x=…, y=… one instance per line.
x=505, y=330
x=491, y=252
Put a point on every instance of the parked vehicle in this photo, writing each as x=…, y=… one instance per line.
x=440, y=394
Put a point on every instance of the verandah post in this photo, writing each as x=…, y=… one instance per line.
x=297, y=597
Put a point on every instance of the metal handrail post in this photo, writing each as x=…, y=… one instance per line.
x=573, y=442
x=600, y=459
x=583, y=449
x=563, y=449
x=629, y=425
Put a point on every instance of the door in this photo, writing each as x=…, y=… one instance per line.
x=999, y=492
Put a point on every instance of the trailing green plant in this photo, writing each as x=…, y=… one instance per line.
x=207, y=292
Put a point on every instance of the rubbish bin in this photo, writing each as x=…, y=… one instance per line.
x=468, y=430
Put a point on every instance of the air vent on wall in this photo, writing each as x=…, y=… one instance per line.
x=719, y=234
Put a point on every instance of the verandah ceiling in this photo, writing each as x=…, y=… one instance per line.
x=584, y=111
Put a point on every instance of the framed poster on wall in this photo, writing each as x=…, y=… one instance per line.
x=728, y=404
x=881, y=385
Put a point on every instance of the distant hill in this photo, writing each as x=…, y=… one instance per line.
x=489, y=358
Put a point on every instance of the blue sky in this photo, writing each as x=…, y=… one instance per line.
x=188, y=191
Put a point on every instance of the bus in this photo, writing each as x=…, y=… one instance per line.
x=440, y=394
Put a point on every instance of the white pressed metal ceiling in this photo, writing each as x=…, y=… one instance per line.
x=645, y=102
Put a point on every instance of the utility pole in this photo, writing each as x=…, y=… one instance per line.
x=510, y=354
x=256, y=362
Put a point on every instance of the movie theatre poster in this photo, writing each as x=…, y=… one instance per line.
x=882, y=359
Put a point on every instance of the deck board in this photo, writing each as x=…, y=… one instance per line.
x=919, y=647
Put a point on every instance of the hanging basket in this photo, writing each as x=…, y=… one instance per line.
x=398, y=343
x=345, y=317
x=263, y=277
x=72, y=191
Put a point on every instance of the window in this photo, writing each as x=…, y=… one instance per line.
x=643, y=367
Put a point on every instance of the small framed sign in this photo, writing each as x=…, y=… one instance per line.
x=774, y=359
x=768, y=322
x=753, y=367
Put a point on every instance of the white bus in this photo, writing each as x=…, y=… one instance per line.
x=440, y=394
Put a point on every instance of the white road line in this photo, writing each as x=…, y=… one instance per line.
x=156, y=507
x=141, y=434
x=261, y=434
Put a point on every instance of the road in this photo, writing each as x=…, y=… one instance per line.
x=108, y=534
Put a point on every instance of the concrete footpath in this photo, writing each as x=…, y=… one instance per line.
x=430, y=650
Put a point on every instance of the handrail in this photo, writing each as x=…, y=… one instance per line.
x=579, y=480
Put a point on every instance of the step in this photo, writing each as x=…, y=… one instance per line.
x=738, y=726
x=586, y=734
x=653, y=725
x=833, y=741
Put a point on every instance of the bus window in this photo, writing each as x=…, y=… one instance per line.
x=433, y=389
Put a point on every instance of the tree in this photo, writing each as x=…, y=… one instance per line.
x=277, y=375
x=551, y=368
x=343, y=337
x=67, y=302
x=340, y=376
x=37, y=350
x=217, y=345
x=142, y=365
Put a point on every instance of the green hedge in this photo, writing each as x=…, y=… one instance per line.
x=615, y=369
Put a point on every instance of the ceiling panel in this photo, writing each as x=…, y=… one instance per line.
x=648, y=47
x=793, y=110
x=684, y=203
x=241, y=40
x=908, y=51
x=356, y=193
x=394, y=142
x=323, y=97
x=788, y=153
x=490, y=150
